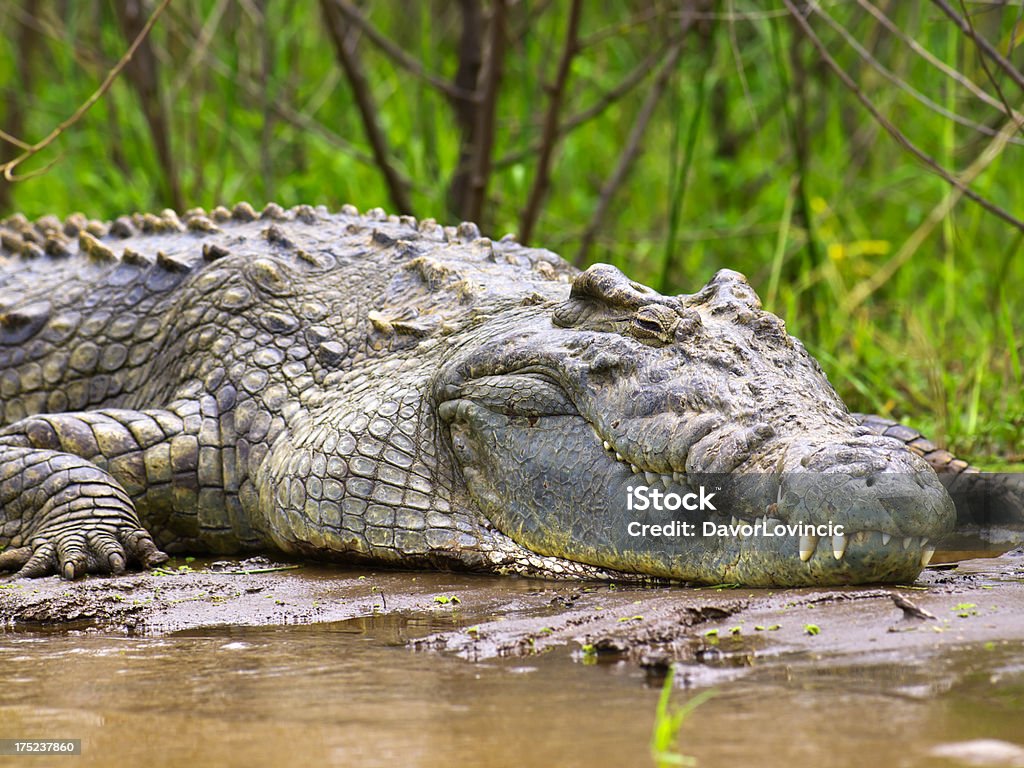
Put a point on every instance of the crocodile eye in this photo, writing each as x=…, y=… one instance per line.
x=654, y=322
x=649, y=326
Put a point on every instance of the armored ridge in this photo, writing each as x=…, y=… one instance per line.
x=377, y=389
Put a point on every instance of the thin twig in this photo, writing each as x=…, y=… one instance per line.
x=536, y=9
x=984, y=64
x=202, y=41
x=740, y=69
x=467, y=77
x=4, y=135
x=397, y=55
x=629, y=153
x=984, y=45
x=640, y=72
x=292, y=116
x=142, y=73
x=267, y=116
x=1013, y=32
x=891, y=129
x=549, y=138
x=616, y=31
x=488, y=93
x=879, y=277
x=368, y=109
x=928, y=56
x=902, y=84
x=680, y=172
x=8, y=167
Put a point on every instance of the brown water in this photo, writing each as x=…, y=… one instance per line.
x=350, y=693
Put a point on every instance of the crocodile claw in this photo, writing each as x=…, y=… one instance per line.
x=72, y=554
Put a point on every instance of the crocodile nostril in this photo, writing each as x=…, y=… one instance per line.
x=869, y=482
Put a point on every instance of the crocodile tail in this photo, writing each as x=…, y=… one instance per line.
x=941, y=460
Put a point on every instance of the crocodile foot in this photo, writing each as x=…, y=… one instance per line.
x=81, y=521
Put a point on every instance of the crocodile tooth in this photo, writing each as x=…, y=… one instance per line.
x=907, y=542
x=807, y=546
x=635, y=468
x=885, y=538
x=619, y=456
x=734, y=521
x=652, y=477
x=666, y=479
x=926, y=555
x=838, y=546
x=677, y=476
x=607, y=445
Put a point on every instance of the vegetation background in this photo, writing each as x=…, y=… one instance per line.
x=859, y=160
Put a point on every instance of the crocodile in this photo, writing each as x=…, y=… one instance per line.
x=368, y=388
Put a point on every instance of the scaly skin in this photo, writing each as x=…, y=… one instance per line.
x=369, y=388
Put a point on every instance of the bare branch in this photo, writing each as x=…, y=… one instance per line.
x=925, y=54
x=202, y=42
x=891, y=129
x=483, y=134
x=290, y=115
x=880, y=276
x=466, y=78
x=366, y=104
x=143, y=74
x=984, y=65
x=904, y=86
x=399, y=56
x=24, y=48
x=984, y=45
x=549, y=137
x=640, y=72
x=8, y=167
x=629, y=153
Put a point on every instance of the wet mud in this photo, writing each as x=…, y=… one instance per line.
x=244, y=663
x=489, y=617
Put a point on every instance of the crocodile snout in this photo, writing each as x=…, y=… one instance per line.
x=880, y=500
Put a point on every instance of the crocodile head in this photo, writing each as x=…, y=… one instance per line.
x=559, y=419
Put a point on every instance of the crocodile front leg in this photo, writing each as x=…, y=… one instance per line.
x=73, y=487
x=61, y=512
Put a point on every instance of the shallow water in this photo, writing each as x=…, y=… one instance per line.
x=351, y=693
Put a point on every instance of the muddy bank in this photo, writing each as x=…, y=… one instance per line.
x=478, y=617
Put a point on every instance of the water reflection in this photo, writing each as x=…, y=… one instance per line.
x=350, y=693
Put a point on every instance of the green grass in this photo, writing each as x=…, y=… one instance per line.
x=938, y=345
x=668, y=722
